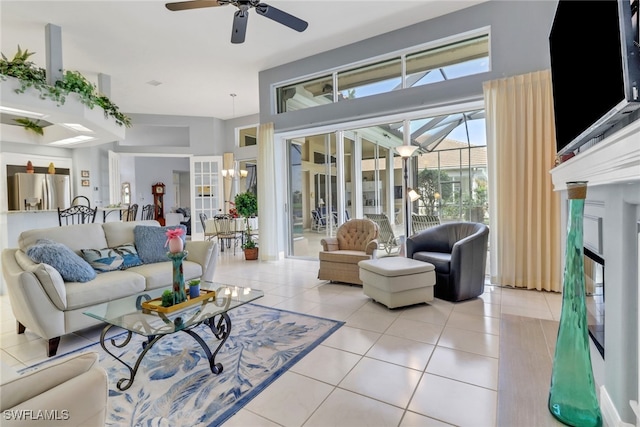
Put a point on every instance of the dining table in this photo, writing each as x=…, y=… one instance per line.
x=107, y=210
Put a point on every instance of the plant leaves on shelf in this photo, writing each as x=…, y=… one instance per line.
x=72, y=82
x=30, y=125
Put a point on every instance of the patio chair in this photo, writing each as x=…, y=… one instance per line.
x=318, y=222
x=387, y=239
x=422, y=222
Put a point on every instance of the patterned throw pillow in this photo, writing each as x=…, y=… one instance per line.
x=70, y=265
x=129, y=255
x=150, y=242
x=103, y=260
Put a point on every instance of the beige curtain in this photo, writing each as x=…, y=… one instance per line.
x=525, y=211
x=267, y=219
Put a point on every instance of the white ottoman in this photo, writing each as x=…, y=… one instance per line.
x=397, y=281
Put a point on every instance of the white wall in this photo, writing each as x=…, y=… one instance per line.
x=150, y=170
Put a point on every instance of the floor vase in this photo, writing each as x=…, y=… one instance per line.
x=572, y=395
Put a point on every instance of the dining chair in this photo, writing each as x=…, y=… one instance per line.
x=226, y=232
x=208, y=235
x=131, y=213
x=147, y=212
x=79, y=214
x=81, y=201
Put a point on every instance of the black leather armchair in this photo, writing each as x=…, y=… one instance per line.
x=458, y=250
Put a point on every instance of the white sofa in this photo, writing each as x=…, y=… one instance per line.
x=69, y=392
x=50, y=307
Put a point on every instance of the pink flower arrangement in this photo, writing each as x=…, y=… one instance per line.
x=174, y=241
x=233, y=212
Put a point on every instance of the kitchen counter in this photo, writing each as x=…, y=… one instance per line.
x=31, y=211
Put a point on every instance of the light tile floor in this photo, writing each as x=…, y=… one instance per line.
x=424, y=365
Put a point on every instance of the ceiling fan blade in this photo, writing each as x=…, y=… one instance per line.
x=194, y=4
x=282, y=17
x=239, y=30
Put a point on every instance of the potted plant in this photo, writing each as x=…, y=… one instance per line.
x=246, y=204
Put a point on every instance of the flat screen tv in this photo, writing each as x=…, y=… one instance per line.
x=595, y=68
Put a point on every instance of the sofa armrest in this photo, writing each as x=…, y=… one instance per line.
x=329, y=244
x=30, y=303
x=50, y=279
x=204, y=253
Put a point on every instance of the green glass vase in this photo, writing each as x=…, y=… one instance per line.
x=179, y=294
x=572, y=396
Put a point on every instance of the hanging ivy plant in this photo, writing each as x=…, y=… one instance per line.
x=72, y=82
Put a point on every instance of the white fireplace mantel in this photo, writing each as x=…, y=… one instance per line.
x=614, y=160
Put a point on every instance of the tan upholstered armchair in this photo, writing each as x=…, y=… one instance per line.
x=355, y=240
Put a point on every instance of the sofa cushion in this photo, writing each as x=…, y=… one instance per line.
x=75, y=237
x=121, y=232
x=150, y=242
x=129, y=255
x=160, y=275
x=71, y=267
x=103, y=260
x=440, y=260
x=105, y=287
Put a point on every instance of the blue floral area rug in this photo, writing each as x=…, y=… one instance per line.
x=174, y=384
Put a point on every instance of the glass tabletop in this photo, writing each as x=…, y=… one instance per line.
x=127, y=312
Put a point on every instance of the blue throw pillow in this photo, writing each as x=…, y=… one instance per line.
x=103, y=260
x=150, y=242
x=70, y=265
x=129, y=255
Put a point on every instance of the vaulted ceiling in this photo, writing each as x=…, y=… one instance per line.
x=140, y=44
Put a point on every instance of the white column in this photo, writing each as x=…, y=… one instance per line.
x=53, y=41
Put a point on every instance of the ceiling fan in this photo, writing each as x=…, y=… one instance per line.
x=242, y=14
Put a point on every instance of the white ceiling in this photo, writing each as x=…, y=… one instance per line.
x=190, y=51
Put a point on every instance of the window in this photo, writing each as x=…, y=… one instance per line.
x=247, y=136
x=369, y=80
x=423, y=66
x=448, y=62
x=300, y=95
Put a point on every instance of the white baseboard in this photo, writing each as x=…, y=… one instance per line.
x=610, y=415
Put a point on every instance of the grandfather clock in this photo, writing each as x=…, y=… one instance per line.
x=158, y=194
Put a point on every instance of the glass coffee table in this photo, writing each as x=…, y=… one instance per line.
x=130, y=314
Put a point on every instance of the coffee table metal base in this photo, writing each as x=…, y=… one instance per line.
x=220, y=326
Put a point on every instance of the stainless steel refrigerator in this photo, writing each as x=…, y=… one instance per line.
x=39, y=191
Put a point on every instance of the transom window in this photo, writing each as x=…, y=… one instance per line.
x=426, y=66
